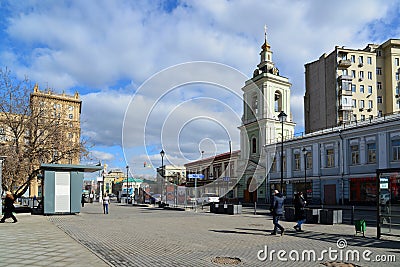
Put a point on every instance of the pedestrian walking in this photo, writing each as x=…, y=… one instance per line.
x=299, y=205
x=91, y=196
x=277, y=212
x=106, y=202
x=83, y=200
x=9, y=208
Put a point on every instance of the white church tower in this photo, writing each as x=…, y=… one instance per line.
x=265, y=96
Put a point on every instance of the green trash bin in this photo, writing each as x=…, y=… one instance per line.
x=360, y=226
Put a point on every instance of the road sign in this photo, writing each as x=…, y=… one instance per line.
x=196, y=176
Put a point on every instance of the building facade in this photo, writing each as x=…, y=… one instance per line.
x=66, y=107
x=265, y=96
x=220, y=175
x=338, y=165
x=352, y=85
x=48, y=127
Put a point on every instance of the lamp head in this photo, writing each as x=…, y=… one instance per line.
x=282, y=116
x=162, y=153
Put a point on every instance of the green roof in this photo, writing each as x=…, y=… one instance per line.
x=131, y=180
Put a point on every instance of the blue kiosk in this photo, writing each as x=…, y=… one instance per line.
x=62, y=187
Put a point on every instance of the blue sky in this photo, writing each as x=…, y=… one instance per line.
x=109, y=51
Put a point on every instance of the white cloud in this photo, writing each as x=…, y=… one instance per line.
x=106, y=44
x=102, y=156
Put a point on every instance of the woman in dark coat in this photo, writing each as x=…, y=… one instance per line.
x=8, y=208
x=299, y=204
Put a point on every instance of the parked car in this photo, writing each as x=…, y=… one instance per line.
x=192, y=200
x=384, y=198
x=155, y=198
x=208, y=198
x=123, y=198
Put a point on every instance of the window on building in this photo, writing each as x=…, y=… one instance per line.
x=396, y=150
x=369, y=60
x=361, y=104
x=361, y=88
x=354, y=117
x=278, y=101
x=396, y=61
x=362, y=117
x=354, y=103
x=345, y=85
x=360, y=60
x=397, y=90
x=254, y=145
x=369, y=75
x=379, y=99
x=273, y=166
x=379, y=53
x=297, y=161
x=330, y=158
x=309, y=160
x=370, y=104
x=232, y=168
x=379, y=85
x=255, y=104
x=378, y=71
x=353, y=88
x=361, y=74
x=284, y=163
x=380, y=113
x=355, y=154
x=397, y=76
x=369, y=89
x=71, y=116
x=353, y=73
x=353, y=58
x=371, y=150
x=345, y=72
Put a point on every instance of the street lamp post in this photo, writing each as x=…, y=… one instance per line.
x=162, y=154
x=282, y=118
x=305, y=172
x=127, y=184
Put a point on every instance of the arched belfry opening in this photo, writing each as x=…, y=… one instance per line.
x=278, y=101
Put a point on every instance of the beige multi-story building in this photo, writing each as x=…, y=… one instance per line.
x=351, y=85
x=64, y=106
x=46, y=109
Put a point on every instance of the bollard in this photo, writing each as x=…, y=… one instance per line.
x=255, y=208
x=352, y=215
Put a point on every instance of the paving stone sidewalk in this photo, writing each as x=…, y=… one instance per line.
x=35, y=241
x=146, y=236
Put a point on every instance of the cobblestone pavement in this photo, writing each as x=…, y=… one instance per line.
x=34, y=241
x=146, y=236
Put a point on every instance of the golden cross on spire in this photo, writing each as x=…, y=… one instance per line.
x=265, y=32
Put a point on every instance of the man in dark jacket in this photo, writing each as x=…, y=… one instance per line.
x=8, y=208
x=277, y=212
x=299, y=204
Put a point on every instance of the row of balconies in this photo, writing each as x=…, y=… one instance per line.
x=346, y=107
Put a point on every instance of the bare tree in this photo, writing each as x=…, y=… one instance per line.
x=35, y=131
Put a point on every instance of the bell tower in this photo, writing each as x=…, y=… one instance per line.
x=265, y=95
